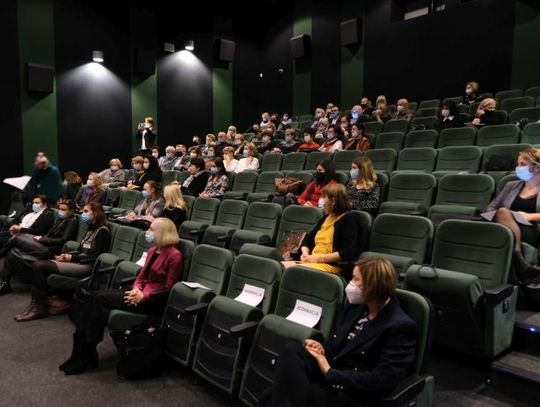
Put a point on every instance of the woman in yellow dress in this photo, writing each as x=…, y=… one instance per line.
x=335, y=238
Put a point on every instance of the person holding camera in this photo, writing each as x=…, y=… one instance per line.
x=146, y=135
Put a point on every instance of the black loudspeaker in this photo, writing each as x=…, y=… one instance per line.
x=40, y=78
x=145, y=61
x=300, y=46
x=225, y=49
x=351, y=31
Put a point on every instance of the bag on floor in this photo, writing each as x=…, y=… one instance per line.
x=142, y=352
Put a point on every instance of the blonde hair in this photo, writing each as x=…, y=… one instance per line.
x=531, y=155
x=252, y=149
x=137, y=160
x=149, y=119
x=173, y=198
x=98, y=181
x=381, y=99
x=165, y=232
x=228, y=150
x=488, y=104
x=367, y=175
x=211, y=136
x=116, y=161
x=72, y=177
x=379, y=280
x=405, y=104
x=473, y=85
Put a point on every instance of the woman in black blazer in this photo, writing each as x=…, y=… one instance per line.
x=196, y=182
x=372, y=349
x=335, y=238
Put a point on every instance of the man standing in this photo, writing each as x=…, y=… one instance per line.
x=45, y=180
x=146, y=136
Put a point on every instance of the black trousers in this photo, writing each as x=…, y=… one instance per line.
x=300, y=382
x=96, y=312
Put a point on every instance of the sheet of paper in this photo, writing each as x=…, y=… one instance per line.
x=251, y=295
x=305, y=314
x=194, y=285
x=18, y=182
x=142, y=260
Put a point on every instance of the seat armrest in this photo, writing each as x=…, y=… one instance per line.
x=498, y=294
x=406, y=391
x=196, y=309
x=196, y=232
x=160, y=294
x=128, y=280
x=84, y=281
x=106, y=270
x=222, y=238
x=244, y=328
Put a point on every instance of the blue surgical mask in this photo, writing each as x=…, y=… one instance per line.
x=354, y=114
x=145, y=194
x=62, y=215
x=523, y=173
x=149, y=236
x=86, y=217
x=36, y=207
x=354, y=174
x=213, y=170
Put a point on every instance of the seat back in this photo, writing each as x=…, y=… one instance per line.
x=314, y=158
x=232, y=213
x=478, y=248
x=393, y=140
x=343, y=159
x=322, y=289
x=533, y=91
x=168, y=177
x=383, y=181
x=263, y=217
x=427, y=112
x=297, y=219
x=532, y=114
x=473, y=190
x=189, y=200
x=205, y=210
x=373, y=128
x=422, y=138
x=424, y=122
x=459, y=159
x=431, y=103
x=210, y=266
x=271, y=162
x=396, y=125
x=265, y=181
x=459, y=136
x=502, y=95
x=245, y=181
x=293, y=162
x=498, y=134
x=410, y=187
x=402, y=235
x=259, y=272
x=141, y=246
x=509, y=152
x=417, y=159
x=130, y=199
x=383, y=159
x=124, y=242
x=508, y=105
x=531, y=134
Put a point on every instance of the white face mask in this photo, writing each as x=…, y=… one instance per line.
x=322, y=202
x=146, y=166
x=155, y=155
x=400, y=109
x=307, y=139
x=266, y=139
x=354, y=294
x=445, y=112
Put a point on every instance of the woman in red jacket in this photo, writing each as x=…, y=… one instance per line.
x=162, y=269
x=324, y=175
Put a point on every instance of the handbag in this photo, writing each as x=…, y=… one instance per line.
x=288, y=185
x=142, y=352
x=291, y=244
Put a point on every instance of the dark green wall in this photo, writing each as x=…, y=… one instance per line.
x=143, y=103
x=352, y=61
x=35, y=20
x=222, y=88
x=302, y=66
x=526, y=57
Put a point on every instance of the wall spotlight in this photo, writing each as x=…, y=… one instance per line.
x=169, y=47
x=189, y=45
x=97, y=56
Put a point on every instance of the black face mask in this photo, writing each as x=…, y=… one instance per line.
x=320, y=177
x=363, y=106
x=488, y=112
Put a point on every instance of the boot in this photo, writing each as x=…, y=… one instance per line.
x=524, y=270
x=57, y=305
x=5, y=286
x=26, y=310
x=86, y=359
x=40, y=308
x=78, y=339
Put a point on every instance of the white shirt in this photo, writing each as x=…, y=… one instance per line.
x=29, y=219
x=231, y=167
x=143, y=144
x=244, y=165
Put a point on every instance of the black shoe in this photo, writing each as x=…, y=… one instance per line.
x=87, y=359
x=5, y=287
x=78, y=338
x=524, y=270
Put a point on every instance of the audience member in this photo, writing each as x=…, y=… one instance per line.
x=324, y=175
x=471, y=94
x=332, y=143
x=449, y=116
x=166, y=163
x=45, y=180
x=196, y=182
x=363, y=190
x=218, y=182
x=250, y=160
x=92, y=191
x=357, y=140
x=228, y=159
x=485, y=113
x=114, y=176
x=309, y=143
x=72, y=184
x=402, y=110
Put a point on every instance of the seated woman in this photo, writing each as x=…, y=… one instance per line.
x=162, y=269
x=363, y=190
x=228, y=159
x=218, y=182
x=167, y=162
x=372, y=349
x=335, y=238
x=357, y=140
x=449, y=116
x=72, y=184
x=471, y=94
x=138, y=172
x=25, y=248
x=92, y=191
x=309, y=143
x=485, y=114
x=324, y=175
x=149, y=208
x=381, y=113
x=402, y=110
x=239, y=142
x=333, y=141
x=518, y=207
x=96, y=241
x=250, y=160
x=114, y=176
x=37, y=221
x=196, y=182
x=175, y=207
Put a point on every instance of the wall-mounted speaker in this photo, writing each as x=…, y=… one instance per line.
x=40, y=78
x=225, y=49
x=300, y=45
x=351, y=31
x=145, y=61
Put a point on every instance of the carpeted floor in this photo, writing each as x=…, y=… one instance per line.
x=32, y=351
